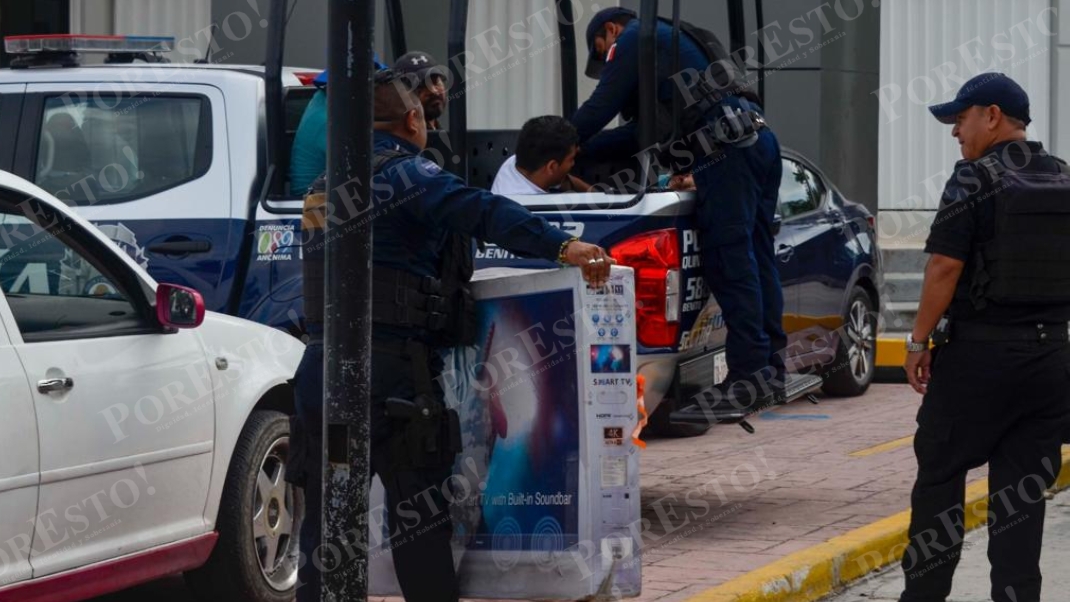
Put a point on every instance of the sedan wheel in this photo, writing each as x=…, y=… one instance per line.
x=852, y=371
x=255, y=559
x=273, y=519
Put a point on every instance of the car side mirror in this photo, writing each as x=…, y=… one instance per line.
x=778, y=221
x=178, y=306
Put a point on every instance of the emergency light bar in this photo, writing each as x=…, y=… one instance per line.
x=69, y=43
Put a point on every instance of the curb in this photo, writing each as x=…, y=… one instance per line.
x=816, y=572
x=891, y=351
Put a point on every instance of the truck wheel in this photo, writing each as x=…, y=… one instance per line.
x=255, y=559
x=852, y=371
x=659, y=423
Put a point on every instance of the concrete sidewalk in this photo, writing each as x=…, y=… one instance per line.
x=727, y=503
x=971, y=577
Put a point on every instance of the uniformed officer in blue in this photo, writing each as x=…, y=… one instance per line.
x=737, y=185
x=996, y=301
x=423, y=222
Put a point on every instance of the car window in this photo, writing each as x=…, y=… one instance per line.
x=801, y=189
x=54, y=287
x=100, y=149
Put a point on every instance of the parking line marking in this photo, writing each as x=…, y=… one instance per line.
x=883, y=447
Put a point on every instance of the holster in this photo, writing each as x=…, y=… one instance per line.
x=427, y=435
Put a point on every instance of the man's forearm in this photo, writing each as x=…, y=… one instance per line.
x=941, y=277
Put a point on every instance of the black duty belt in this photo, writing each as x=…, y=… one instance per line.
x=973, y=331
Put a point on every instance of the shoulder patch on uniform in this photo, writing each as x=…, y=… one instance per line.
x=612, y=52
x=429, y=165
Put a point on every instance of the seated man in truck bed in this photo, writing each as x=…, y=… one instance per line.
x=545, y=153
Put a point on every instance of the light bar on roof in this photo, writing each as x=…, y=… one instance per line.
x=82, y=43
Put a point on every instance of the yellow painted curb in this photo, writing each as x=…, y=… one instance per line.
x=891, y=352
x=816, y=572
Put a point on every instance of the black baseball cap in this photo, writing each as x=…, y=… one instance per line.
x=420, y=64
x=985, y=90
x=594, y=62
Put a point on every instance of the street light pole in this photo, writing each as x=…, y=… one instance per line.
x=347, y=308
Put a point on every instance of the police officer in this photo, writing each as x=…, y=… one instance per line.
x=737, y=186
x=420, y=304
x=997, y=294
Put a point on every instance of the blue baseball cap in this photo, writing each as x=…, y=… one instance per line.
x=595, y=62
x=985, y=90
x=321, y=79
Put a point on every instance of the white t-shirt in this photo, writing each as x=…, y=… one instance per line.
x=510, y=181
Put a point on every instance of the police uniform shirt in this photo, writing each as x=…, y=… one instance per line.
x=966, y=219
x=417, y=203
x=618, y=86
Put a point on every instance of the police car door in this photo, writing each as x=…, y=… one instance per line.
x=149, y=165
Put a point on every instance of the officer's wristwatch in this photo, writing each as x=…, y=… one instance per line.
x=916, y=346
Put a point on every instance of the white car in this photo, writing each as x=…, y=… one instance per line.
x=141, y=437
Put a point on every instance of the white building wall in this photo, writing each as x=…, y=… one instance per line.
x=533, y=87
x=182, y=19
x=928, y=48
x=1060, y=100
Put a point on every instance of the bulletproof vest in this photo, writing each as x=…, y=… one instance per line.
x=722, y=68
x=443, y=306
x=723, y=78
x=1027, y=262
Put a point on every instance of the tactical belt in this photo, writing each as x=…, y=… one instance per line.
x=407, y=300
x=973, y=331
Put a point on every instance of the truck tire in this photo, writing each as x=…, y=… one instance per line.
x=660, y=426
x=255, y=559
x=850, y=374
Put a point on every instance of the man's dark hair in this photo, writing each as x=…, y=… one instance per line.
x=545, y=139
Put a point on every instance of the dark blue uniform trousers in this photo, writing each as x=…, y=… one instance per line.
x=737, y=193
x=423, y=563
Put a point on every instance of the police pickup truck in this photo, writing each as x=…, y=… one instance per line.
x=179, y=165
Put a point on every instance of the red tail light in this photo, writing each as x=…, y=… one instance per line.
x=872, y=221
x=655, y=257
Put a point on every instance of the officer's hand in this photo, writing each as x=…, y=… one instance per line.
x=592, y=259
x=918, y=370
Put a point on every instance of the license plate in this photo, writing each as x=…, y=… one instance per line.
x=720, y=368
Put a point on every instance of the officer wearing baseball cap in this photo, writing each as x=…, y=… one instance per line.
x=995, y=302
x=428, y=79
x=737, y=186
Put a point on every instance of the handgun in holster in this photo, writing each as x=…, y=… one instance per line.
x=429, y=435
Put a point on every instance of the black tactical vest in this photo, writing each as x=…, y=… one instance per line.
x=442, y=307
x=1027, y=262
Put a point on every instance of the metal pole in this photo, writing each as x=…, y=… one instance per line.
x=347, y=307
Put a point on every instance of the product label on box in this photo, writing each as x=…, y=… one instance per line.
x=614, y=471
